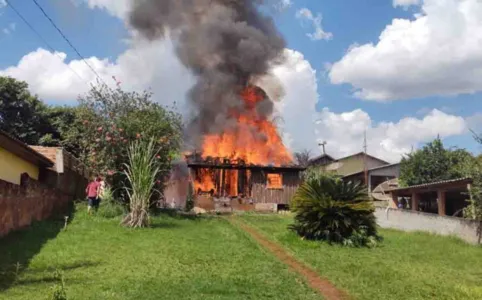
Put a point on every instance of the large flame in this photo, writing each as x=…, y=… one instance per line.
x=255, y=139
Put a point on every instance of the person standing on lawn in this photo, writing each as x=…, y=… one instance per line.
x=93, y=192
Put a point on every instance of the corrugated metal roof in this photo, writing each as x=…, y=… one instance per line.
x=433, y=184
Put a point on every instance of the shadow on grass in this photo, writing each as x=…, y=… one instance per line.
x=19, y=247
x=68, y=267
x=175, y=214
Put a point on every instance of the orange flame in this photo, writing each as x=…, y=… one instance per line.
x=204, y=182
x=255, y=138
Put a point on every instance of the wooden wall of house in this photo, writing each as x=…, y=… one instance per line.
x=262, y=194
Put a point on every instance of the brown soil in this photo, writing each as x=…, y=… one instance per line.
x=320, y=284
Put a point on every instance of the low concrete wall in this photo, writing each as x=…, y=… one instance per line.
x=407, y=220
x=32, y=201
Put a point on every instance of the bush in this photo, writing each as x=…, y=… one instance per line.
x=327, y=208
x=109, y=207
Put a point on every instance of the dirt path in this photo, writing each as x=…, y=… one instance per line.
x=320, y=284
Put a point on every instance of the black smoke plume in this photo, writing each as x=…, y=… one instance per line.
x=225, y=43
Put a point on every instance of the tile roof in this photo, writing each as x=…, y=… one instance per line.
x=19, y=146
x=49, y=152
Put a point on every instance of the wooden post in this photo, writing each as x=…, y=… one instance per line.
x=441, y=202
x=394, y=203
x=415, y=201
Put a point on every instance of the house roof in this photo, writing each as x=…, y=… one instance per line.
x=245, y=167
x=372, y=169
x=363, y=153
x=49, y=152
x=322, y=156
x=433, y=185
x=22, y=150
x=63, y=161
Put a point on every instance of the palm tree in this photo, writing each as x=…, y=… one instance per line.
x=328, y=208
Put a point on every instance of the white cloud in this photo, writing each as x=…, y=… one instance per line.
x=405, y=3
x=283, y=4
x=144, y=65
x=3, y=3
x=344, y=132
x=304, y=128
x=319, y=34
x=437, y=53
x=297, y=107
x=116, y=8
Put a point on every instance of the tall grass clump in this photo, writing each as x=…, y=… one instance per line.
x=328, y=208
x=110, y=207
x=141, y=172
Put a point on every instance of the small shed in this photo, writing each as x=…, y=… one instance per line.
x=447, y=197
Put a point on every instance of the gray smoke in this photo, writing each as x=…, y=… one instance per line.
x=226, y=44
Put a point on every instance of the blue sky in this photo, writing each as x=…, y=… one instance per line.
x=399, y=82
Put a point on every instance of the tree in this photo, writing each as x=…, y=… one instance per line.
x=303, y=157
x=473, y=170
x=328, y=208
x=109, y=120
x=433, y=163
x=22, y=114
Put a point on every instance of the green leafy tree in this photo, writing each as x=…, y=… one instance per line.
x=433, y=163
x=23, y=114
x=109, y=120
x=330, y=209
x=473, y=169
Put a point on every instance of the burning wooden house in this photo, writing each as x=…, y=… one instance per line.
x=232, y=184
x=244, y=166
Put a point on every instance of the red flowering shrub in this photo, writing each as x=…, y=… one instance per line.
x=110, y=119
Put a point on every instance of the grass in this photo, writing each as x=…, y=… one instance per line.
x=406, y=265
x=205, y=258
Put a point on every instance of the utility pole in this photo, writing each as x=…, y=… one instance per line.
x=323, y=145
x=365, y=148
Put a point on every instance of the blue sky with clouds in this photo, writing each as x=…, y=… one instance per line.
x=403, y=70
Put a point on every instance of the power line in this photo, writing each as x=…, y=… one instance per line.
x=68, y=41
x=41, y=38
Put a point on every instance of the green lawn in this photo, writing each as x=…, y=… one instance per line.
x=406, y=266
x=208, y=258
x=204, y=258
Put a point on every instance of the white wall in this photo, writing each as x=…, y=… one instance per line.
x=407, y=220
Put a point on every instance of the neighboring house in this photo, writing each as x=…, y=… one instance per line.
x=352, y=167
x=16, y=158
x=67, y=174
x=24, y=195
x=376, y=176
x=349, y=164
x=354, y=163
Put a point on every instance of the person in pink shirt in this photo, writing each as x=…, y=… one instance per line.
x=93, y=192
